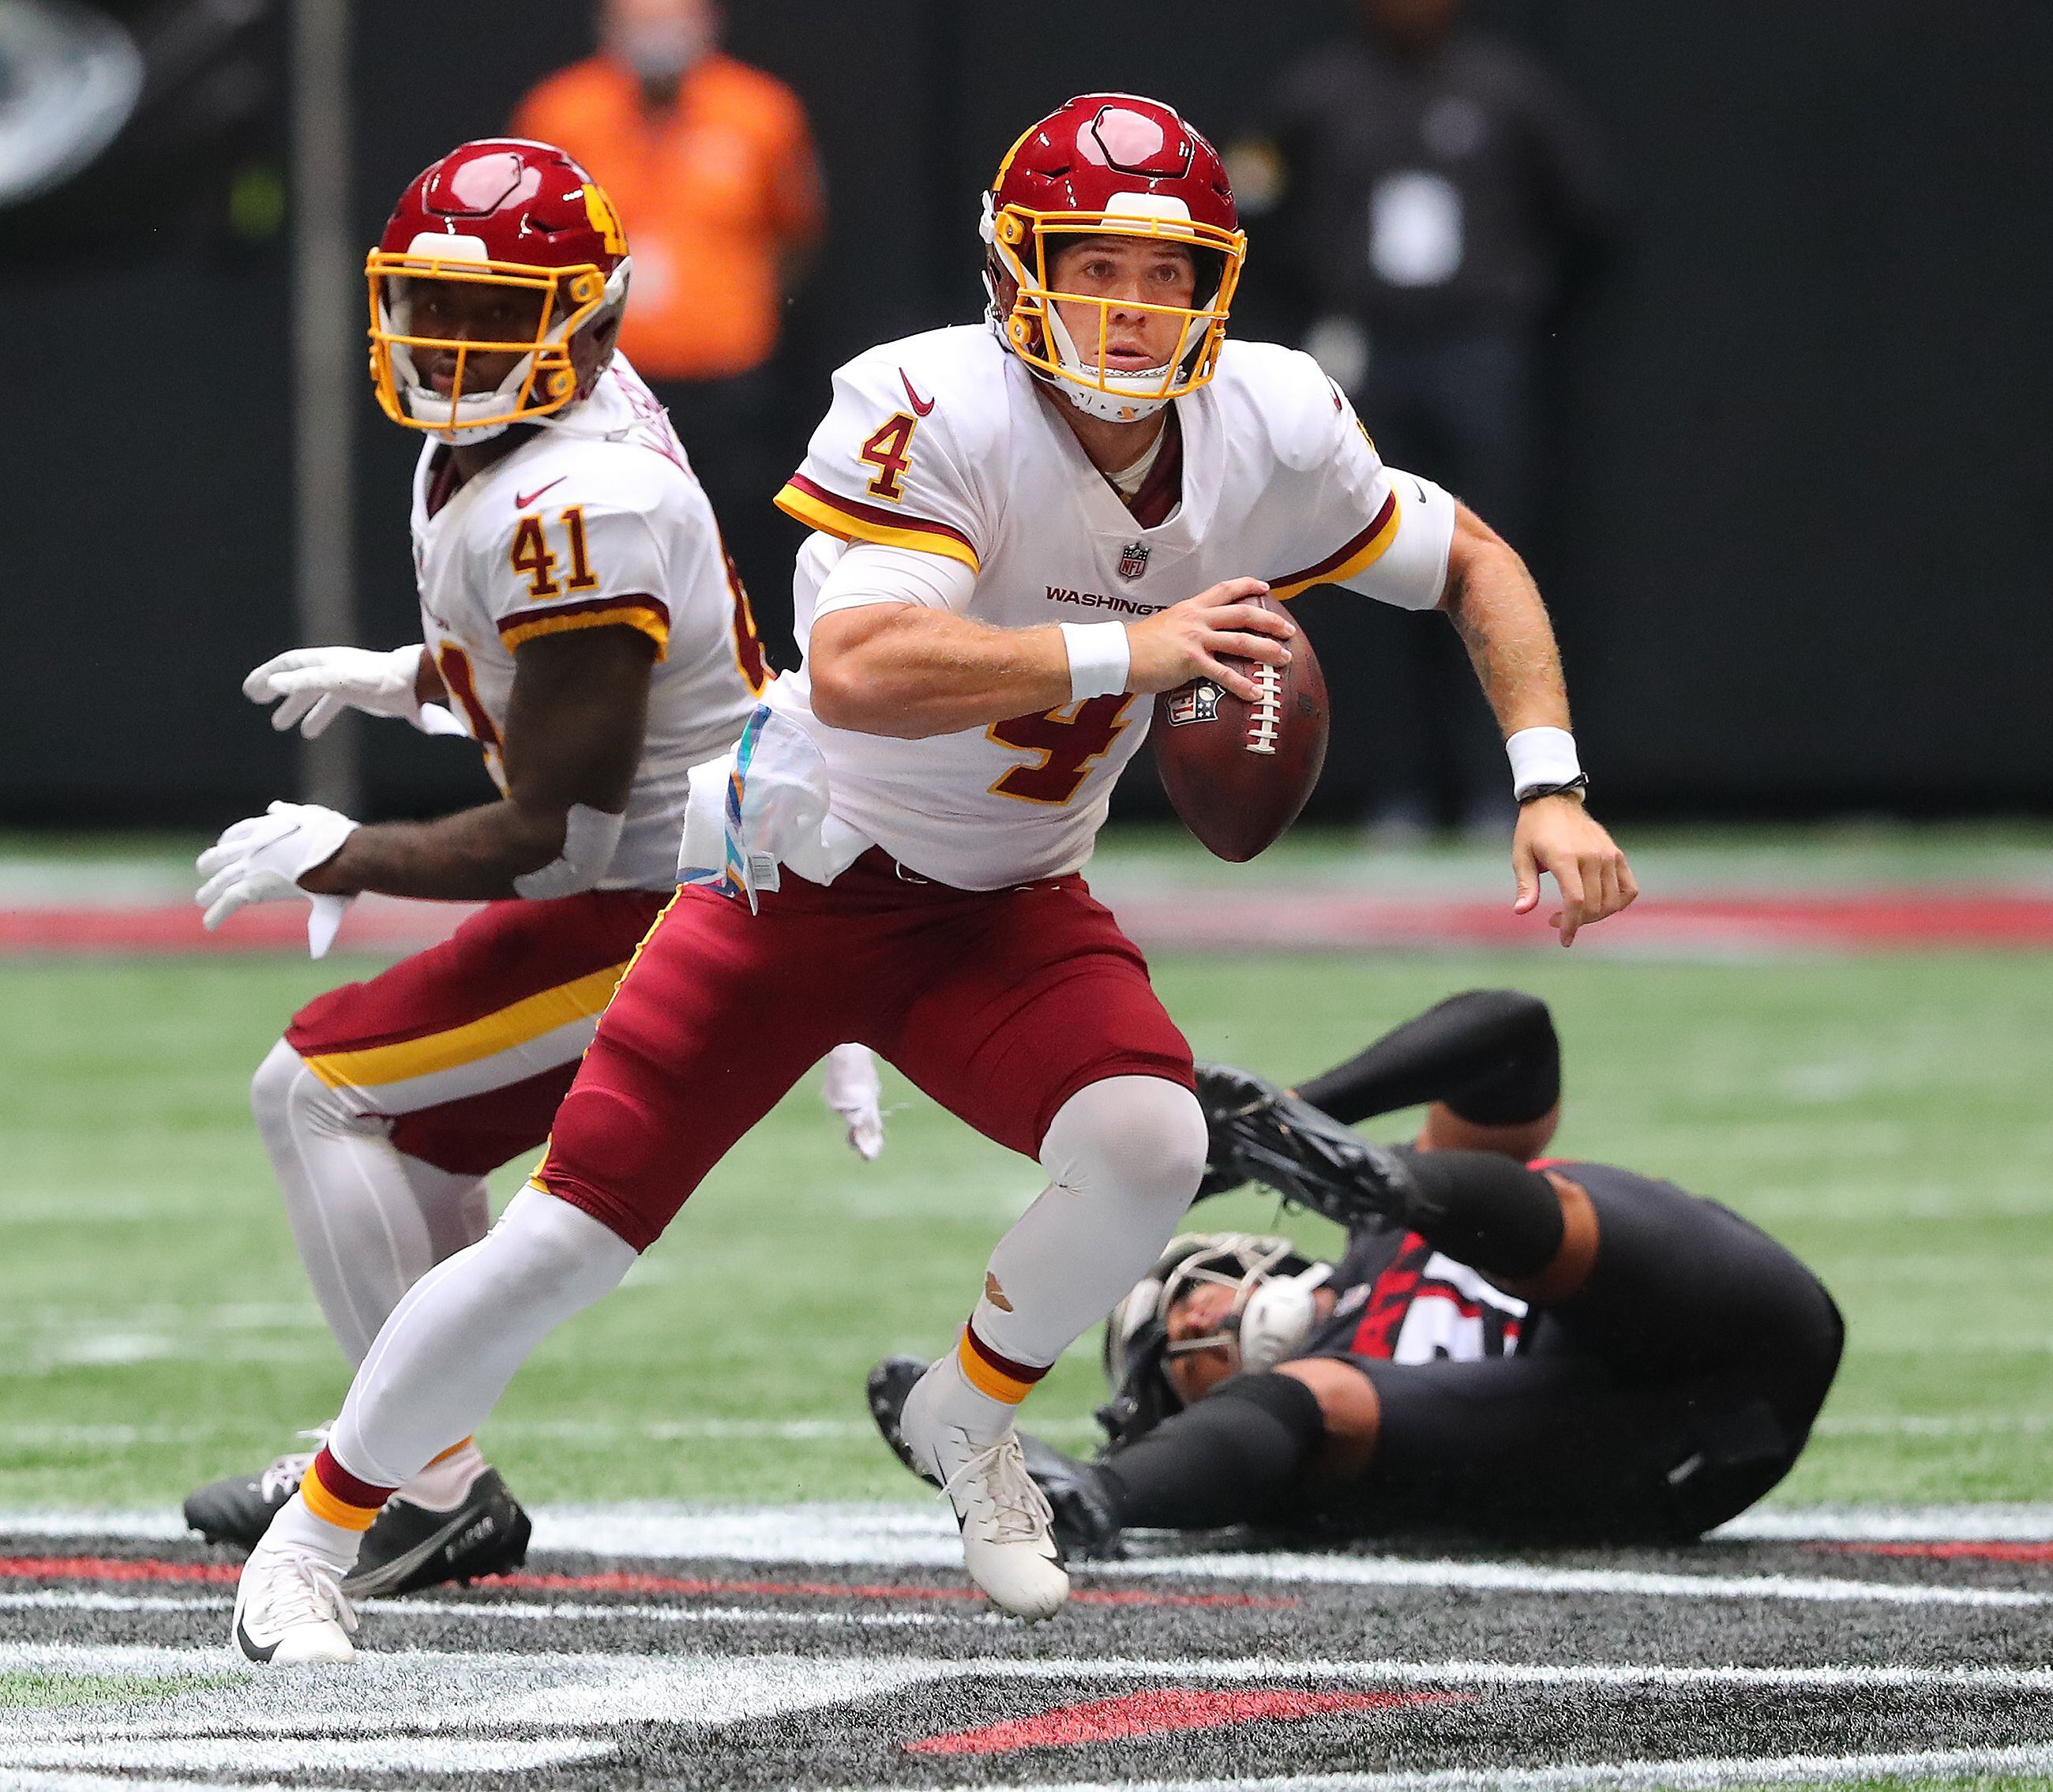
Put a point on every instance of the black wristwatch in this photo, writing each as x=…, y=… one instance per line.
x=1574, y=787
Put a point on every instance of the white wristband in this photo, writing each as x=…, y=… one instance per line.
x=1540, y=756
x=1101, y=659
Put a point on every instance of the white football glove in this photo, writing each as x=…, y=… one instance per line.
x=853, y=1089
x=262, y=860
x=319, y=683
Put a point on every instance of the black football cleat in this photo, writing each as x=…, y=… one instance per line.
x=889, y=1384
x=240, y=1509
x=411, y=1546
x=1225, y=1094
x=1266, y=1134
x=1085, y=1526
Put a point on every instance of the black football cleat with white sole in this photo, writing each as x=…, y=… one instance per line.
x=411, y=1546
x=239, y=1510
x=1264, y=1134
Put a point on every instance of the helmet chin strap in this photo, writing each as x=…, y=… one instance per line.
x=1131, y=396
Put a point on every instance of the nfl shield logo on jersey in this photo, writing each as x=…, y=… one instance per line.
x=1198, y=700
x=1134, y=562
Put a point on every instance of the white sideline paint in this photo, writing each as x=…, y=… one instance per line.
x=240, y=1755
x=437, y=1712
x=897, y=1534
x=1794, y=1770
x=693, y=1685
x=1509, y=1576
x=54, y=1599
x=1886, y=1524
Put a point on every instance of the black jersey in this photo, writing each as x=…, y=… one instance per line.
x=1402, y=1301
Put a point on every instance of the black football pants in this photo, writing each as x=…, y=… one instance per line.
x=1670, y=1394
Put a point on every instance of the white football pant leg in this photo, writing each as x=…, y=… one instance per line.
x=445, y=1357
x=1124, y=1157
x=369, y=1221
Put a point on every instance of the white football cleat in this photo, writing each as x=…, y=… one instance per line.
x=289, y=1609
x=1007, y=1529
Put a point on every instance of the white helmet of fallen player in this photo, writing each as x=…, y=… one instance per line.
x=1273, y=1311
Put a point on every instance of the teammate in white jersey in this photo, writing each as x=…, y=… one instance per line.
x=1102, y=452
x=580, y=621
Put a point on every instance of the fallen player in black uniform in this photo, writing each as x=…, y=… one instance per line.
x=1509, y=1351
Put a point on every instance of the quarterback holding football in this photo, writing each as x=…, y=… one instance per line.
x=1023, y=531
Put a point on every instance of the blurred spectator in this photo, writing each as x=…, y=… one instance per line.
x=712, y=166
x=1427, y=196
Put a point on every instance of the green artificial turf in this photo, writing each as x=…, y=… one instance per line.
x=34, y=1689
x=1887, y=1117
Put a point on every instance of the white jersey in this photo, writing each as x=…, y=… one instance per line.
x=943, y=442
x=596, y=521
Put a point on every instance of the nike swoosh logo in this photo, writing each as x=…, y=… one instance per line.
x=920, y=406
x=522, y=501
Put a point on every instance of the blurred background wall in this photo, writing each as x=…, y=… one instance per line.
x=1798, y=532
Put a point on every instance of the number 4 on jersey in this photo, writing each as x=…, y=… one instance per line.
x=1070, y=741
x=890, y=451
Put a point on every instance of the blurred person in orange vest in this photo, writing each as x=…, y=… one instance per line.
x=712, y=165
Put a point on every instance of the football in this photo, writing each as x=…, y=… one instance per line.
x=1239, y=773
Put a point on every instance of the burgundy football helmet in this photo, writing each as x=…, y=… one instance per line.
x=500, y=212
x=1111, y=164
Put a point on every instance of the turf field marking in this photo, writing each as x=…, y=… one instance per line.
x=243, y=1754
x=1830, y=1524
x=1623, y=1777
x=70, y=1600
x=759, y=1681
x=118, y=1568
x=1331, y=1571
x=1161, y=1711
x=2034, y=1554
x=915, y=1534
x=1507, y=1576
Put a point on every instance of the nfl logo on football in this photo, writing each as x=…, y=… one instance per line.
x=1134, y=561
x=1196, y=701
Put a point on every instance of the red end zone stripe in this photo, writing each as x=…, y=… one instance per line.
x=1988, y=1550
x=113, y=1568
x=1160, y=1712
x=218, y=1573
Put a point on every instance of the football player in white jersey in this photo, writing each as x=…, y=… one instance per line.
x=579, y=620
x=1023, y=530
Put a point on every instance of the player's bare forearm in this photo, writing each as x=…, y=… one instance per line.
x=1496, y=608
x=471, y=856
x=574, y=734
x=909, y=673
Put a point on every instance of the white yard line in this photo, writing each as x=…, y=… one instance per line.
x=1510, y=1576
x=242, y=1754
x=422, y=1667
x=920, y=1536
x=65, y=1599
x=1623, y=1777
